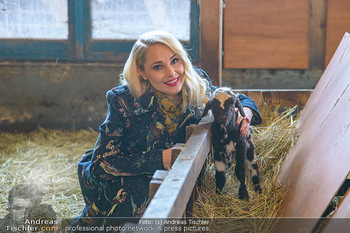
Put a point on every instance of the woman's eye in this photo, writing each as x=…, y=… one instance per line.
x=175, y=60
x=157, y=67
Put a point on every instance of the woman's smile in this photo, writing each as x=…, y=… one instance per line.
x=172, y=82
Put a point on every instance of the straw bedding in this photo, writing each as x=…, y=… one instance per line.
x=48, y=158
x=273, y=141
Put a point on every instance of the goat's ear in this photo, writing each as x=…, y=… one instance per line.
x=240, y=107
x=231, y=93
x=206, y=109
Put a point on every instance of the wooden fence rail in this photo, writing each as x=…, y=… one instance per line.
x=176, y=190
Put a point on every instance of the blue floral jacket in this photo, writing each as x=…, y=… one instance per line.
x=114, y=177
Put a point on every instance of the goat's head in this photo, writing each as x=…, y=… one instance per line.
x=223, y=103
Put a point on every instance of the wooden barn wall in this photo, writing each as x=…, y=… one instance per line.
x=266, y=34
x=338, y=22
x=281, y=43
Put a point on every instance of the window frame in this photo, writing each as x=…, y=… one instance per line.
x=79, y=47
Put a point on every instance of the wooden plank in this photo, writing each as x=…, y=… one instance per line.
x=175, y=188
x=211, y=39
x=159, y=175
x=319, y=162
x=172, y=196
x=317, y=34
x=280, y=97
x=266, y=34
x=338, y=22
x=157, y=180
x=175, y=151
x=340, y=220
x=78, y=31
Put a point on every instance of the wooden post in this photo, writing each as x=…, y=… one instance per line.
x=171, y=199
x=317, y=34
x=156, y=181
x=211, y=17
x=338, y=22
x=160, y=175
x=189, y=131
x=175, y=151
x=176, y=189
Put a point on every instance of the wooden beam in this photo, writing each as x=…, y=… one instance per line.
x=211, y=17
x=338, y=22
x=173, y=194
x=173, y=191
x=78, y=32
x=157, y=180
x=317, y=34
x=159, y=175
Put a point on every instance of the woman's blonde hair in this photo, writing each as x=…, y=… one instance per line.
x=194, y=88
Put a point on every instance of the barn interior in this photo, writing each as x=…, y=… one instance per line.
x=58, y=58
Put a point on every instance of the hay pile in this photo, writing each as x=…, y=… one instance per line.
x=47, y=159
x=273, y=141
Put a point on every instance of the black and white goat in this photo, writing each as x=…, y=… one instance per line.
x=228, y=140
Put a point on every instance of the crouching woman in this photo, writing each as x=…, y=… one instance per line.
x=161, y=94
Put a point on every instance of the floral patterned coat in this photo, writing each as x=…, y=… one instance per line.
x=115, y=176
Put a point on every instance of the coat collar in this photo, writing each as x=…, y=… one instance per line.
x=148, y=102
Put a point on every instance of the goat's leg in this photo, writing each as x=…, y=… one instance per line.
x=220, y=166
x=253, y=166
x=240, y=170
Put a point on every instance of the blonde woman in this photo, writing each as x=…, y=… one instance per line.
x=161, y=94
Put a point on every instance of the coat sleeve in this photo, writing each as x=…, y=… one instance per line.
x=112, y=155
x=246, y=101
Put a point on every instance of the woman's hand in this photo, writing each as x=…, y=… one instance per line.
x=246, y=120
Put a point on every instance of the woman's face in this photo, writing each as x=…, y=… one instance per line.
x=164, y=70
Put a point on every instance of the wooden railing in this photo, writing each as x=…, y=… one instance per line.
x=173, y=191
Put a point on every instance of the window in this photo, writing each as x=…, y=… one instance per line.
x=139, y=16
x=94, y=30
x=46, y=19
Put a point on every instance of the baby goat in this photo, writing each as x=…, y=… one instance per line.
x=227, y=140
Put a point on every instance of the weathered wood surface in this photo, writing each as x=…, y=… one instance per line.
x=338, y=22
x=317, y=34
x=173, y=194
x=266, y=34
x=159, y=176
x=211, y=18
x=157, y=179
x=319, y=162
